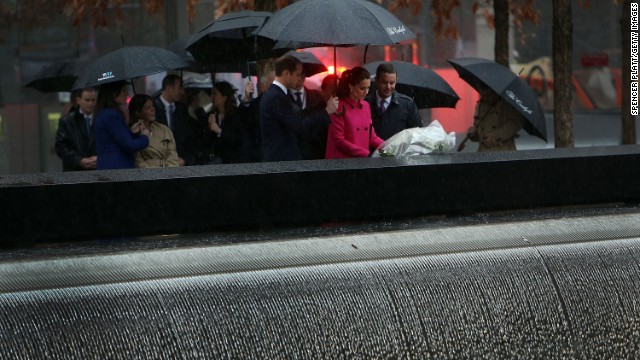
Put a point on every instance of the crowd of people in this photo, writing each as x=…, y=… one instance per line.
x=287, y=121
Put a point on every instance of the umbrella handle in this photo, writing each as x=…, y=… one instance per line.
x=462, y=144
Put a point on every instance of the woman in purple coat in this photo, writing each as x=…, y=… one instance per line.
x=115, y=143
x=350, y=131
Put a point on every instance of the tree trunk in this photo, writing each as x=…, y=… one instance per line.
x=501, y=22
x=265, y=5
x=628, y=120
x=562, y=73
x=170, y=22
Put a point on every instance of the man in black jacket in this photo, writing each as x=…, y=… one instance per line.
x=76, y=137
x=391, y=111
x=172, y=112
x=249, y=114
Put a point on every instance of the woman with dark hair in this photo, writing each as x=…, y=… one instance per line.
x=225, y=128
x=161, y=151
x=115, y=143
x=350, y=131
x=198, y=121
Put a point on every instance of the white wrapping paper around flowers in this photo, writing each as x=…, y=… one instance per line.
x=418, y=141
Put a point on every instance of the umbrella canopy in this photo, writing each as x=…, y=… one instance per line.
x=229, y=38
x=179, y=48
x=425, y=86
x=126, y=63
x=508, y=86
x=336, y=23
x=59, y=76
x=311, y=65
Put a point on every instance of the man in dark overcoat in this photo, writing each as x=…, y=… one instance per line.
x=172, y=112
x=391, y=111
x=76, y=137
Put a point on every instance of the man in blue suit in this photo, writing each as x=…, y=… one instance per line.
x=281, y=120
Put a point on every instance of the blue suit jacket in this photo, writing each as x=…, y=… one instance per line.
x=282, y=124
x=280, y=121
x=115, y=144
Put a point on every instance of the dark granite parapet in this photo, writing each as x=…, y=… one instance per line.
x=124, y=203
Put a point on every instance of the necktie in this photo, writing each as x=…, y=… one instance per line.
x=299, y=99
x=382, y=105
x=172, y=108
x=89, y=122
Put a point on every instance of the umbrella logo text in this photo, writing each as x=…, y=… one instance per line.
x=392, y=30
x=106, y=75
x=518, y=102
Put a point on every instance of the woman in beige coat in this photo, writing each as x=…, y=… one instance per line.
x=496, y=123
x=161, y=151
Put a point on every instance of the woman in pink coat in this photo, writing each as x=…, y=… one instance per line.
x=350, y=131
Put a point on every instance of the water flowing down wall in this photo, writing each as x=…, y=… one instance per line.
x=553, y=288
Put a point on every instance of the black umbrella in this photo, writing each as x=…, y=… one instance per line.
x=179, y=48
x=59, y=76
x=508, y=86
x=311, y=65
x=127, y=63
x=229, y=38
x=336, y=23
x=425, y=86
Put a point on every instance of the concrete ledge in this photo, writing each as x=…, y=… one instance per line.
x=124, y=203
x=129, y=264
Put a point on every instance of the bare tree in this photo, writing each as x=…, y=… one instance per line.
x=520, y=11
x=501, y=16
x=562, y=93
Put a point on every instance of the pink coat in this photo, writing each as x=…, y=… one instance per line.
x=350, y=133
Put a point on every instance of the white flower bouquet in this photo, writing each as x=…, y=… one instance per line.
x=418, y=141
